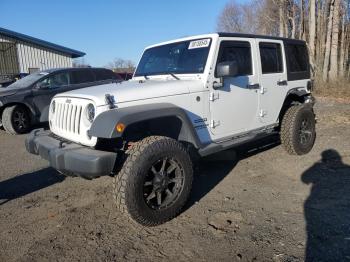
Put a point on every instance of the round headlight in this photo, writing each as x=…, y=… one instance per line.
x=53, y=107
x=90, y=112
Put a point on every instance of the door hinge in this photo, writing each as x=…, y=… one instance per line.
x=214, y=123
x=263, y=90
x=262, y=113
x=213, y=96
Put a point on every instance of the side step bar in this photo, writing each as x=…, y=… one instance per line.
x=233, y=142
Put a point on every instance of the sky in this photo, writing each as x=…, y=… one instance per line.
x=108, y=29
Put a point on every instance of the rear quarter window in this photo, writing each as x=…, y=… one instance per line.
x=298, y=59
x=82, y=76
x=298, y=65
x=104, y=74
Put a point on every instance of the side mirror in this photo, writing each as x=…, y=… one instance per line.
x=227, y=69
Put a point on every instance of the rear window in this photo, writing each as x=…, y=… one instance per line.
x=82, y=76
x=104, y=74
x=298, y=59
x=271, y=58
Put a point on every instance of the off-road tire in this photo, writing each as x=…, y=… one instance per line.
x=291, y=129
x=128, y=183
x=8, y=120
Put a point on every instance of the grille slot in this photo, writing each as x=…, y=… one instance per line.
x=68, y=117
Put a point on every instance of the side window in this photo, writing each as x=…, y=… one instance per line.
x=55, y=81
x=297, y=58
x=82, y=76
x=271, y=58
x=103, y=74
x=238, y=51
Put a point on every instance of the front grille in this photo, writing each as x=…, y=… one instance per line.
x=68, y=117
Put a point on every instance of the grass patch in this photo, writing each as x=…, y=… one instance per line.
x=335, y=89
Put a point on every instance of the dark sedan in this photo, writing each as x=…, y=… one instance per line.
x=26, y=102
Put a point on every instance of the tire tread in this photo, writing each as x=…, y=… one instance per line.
x=121, y=179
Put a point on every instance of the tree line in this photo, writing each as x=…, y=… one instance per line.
x=323, y=24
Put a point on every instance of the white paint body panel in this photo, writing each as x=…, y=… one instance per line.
x=235, y=108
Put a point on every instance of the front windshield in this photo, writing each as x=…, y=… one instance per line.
x=187, y=57
x=28, y=80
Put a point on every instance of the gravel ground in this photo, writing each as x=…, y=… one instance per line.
x=263, y=206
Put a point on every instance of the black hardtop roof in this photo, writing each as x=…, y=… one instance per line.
x=284, y=39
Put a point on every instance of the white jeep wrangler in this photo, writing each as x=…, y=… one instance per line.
x=192, y=96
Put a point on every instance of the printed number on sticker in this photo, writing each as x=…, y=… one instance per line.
x=199, y=43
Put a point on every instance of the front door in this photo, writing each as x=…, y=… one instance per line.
x=273, y=80
x=46, y=90
x=234, y=106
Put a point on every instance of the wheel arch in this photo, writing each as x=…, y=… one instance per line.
x=25, y=105
x=294, y=96
x=145, y=120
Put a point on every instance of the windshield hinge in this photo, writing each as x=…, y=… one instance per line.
x=214, y=123
x=213, y=96
x=262, y=113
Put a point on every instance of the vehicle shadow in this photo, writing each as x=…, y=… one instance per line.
x=210, y=171
x=25, y=184
x=327, y=209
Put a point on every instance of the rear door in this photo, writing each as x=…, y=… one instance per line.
x=273, y=79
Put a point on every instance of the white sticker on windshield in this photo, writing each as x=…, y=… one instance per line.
x=199, y=43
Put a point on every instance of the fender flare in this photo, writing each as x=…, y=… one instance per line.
x=5, y=103
x=104, y=124
x=298, y=91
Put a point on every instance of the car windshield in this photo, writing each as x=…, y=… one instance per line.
x=28, y=80
x=187, y=57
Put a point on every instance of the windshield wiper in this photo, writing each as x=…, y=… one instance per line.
x=146, y=77
x=173, y=75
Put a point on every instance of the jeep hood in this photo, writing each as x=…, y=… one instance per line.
x=133, y=90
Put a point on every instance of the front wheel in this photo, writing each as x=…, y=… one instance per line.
x=298, y=132
x=155, y=181
x=16, y=120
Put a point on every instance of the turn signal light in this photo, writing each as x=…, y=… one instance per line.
x=120, y=127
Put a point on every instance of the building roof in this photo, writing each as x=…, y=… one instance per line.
x=73, y=53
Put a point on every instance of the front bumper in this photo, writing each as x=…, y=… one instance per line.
x=69, y=157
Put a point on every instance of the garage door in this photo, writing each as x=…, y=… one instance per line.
x=8, y=59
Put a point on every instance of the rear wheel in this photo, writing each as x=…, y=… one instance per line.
x=154, y=182
x=298, y=132
x=16, y=119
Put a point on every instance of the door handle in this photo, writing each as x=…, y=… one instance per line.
x=282, y=82
x=253, y=86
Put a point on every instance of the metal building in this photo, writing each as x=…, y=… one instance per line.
x=22, y=54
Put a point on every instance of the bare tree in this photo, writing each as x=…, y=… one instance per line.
x=328, y=41
x=302, y=20
x=333, y=72
x=80, y=62
x=237, y=17
x=121, y=65
x=312, y=28
x=325, y=24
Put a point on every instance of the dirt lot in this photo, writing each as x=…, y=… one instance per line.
x=264, y=206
